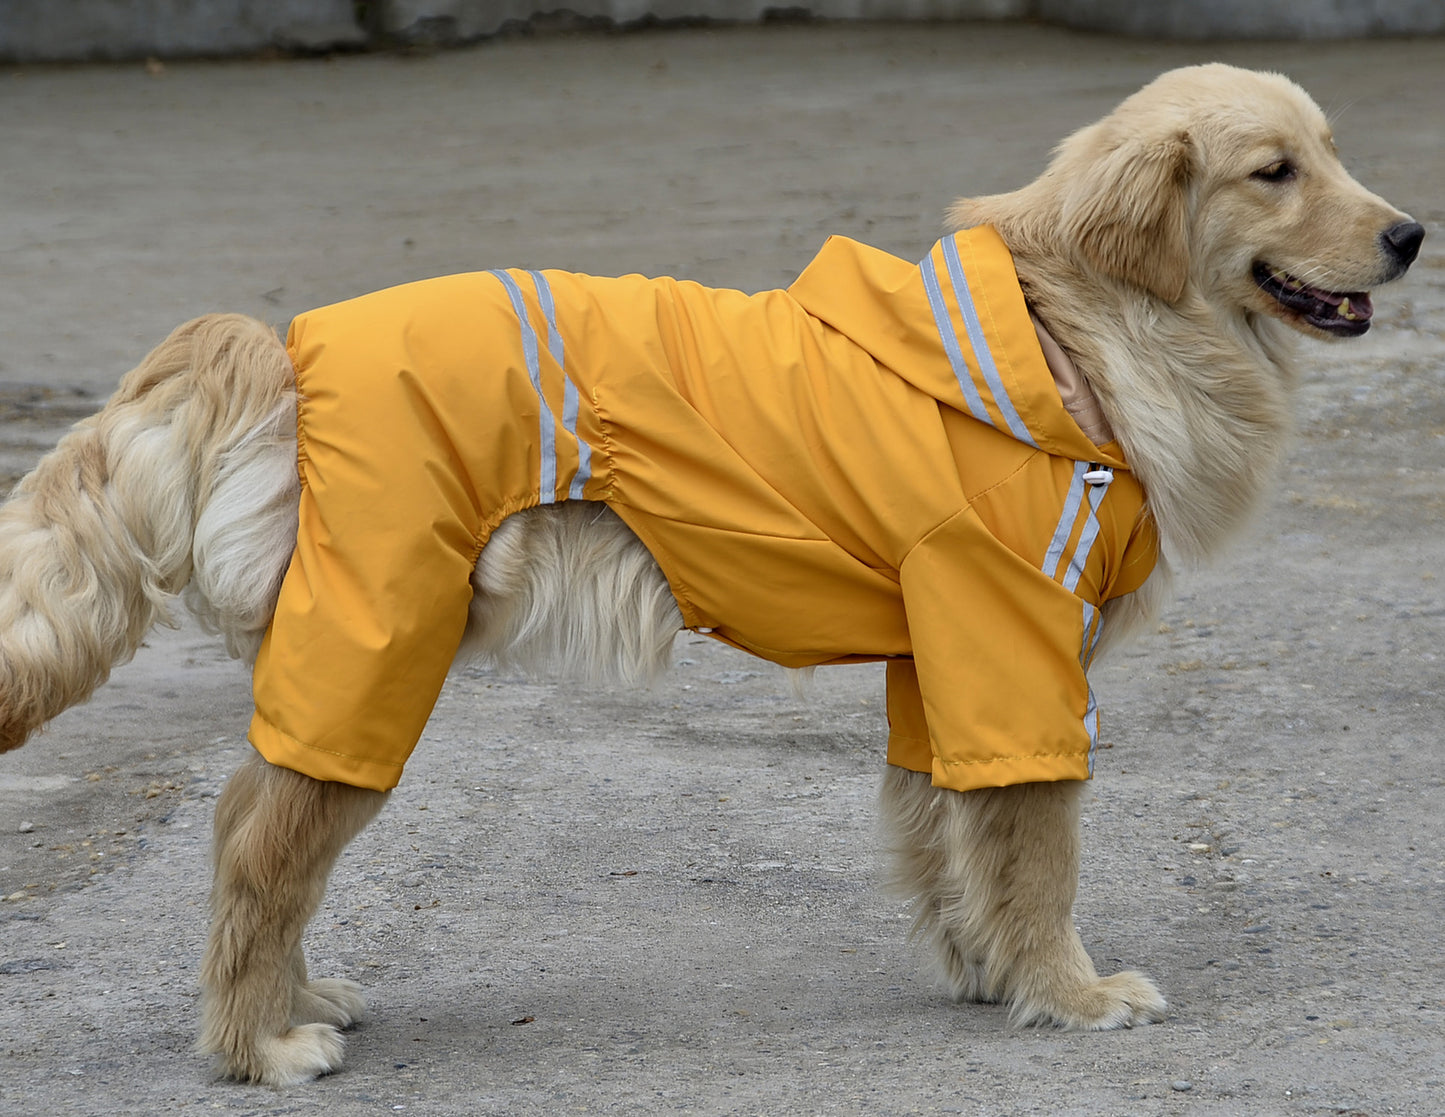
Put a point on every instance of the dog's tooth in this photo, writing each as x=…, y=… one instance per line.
x=1345, y=310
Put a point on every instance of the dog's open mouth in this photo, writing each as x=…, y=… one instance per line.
x=1344, y=313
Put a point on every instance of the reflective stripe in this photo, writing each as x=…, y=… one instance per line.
x=547, y=432
x=1078, y=560
x=1087, y=538
x=1091, y=614
x=1067, y=517
x=949, y=337
x=1088, y=534
x=1091, y=723
x=1093, y=617
x=1017, y=427
x=570, y=402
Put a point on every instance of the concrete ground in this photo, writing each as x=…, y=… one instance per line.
x=671, y=902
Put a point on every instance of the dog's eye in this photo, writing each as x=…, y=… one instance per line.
x=1282, y=171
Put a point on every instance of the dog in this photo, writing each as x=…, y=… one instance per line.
x=1170, y=254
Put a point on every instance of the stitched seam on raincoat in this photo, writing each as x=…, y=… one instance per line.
x=1130, y=563
x=609, y=456
x=750, y=533
x=968, y=506
x=302, y=403
x=1009, y=759
x=1004, y=480
x=298, y=743
x=692, y=616
x=922, y=539
x=610, y=495
x=491, y=523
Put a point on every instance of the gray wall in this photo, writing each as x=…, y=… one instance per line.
x=40, y=30
x=1249, y=19
x=461, y=20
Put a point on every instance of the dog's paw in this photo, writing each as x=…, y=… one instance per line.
x=328, y=1000
x=967, y=976
x=297, y=1056
x=1122, y=1000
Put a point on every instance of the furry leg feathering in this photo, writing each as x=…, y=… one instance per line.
x=178, y=480
x=994, y=874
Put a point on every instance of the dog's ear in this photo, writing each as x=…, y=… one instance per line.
x=1126, y=209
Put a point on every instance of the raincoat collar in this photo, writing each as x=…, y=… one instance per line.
x=956, y=327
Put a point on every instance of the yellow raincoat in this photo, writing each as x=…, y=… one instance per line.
x=874, y=463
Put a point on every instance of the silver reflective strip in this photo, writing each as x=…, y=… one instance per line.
x=570, y=401
x=547, y=425
x=1012, y=419
x=1085, y=644
x=1087, y=538
x=1067, y=517
x=1086, y=656
x=949, y=337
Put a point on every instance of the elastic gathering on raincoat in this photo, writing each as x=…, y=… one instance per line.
x=872, y=464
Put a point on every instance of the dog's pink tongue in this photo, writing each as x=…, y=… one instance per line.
x=1354, y=304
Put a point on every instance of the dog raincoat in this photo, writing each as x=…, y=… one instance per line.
x=874, y=463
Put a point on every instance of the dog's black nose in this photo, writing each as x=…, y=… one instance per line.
x=1402, y=241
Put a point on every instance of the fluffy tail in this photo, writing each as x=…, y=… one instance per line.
x=187, y=475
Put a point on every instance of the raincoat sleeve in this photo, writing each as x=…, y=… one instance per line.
x=996, y=692
x=1141, y=555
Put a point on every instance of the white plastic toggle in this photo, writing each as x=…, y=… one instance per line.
x=1098, y=474
x=703, y=630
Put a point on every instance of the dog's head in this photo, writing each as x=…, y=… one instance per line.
x=1221, y=180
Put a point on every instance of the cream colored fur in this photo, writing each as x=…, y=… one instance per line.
x=1136, y=249
x=100, y=536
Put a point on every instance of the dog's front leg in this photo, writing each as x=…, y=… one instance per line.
x=995, y=873
x=278, y=833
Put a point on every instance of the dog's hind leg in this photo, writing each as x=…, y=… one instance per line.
x=995, y=872
x=97, y=540
x=278, y=833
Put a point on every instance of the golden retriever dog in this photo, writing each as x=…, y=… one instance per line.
x=1174, y=251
